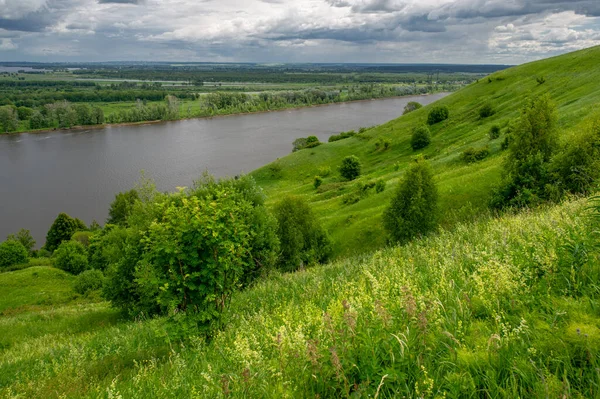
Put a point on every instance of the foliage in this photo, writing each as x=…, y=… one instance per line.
x=532, y=145
x=540, y=80
x=411, y=106
x=380, y=186
x=471, y=154
x=324, y=171
x=421, y=137
x=382, y=144
x=413, y=209
x=71, y=256
x=312, y=141
x=350, y=168
x=494, y=132
x=437, y=114
x=61, y=230
x=121, y=207
x=12, y=252
x=486, y=111
x=25, y=238
x=342, y=136
x=318, y=181
x=82, y=237
x=89, y=280
x=303, y=240
x=9, y=120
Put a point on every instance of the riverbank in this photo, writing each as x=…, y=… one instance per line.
x=154, y=122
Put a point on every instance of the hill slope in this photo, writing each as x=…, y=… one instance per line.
x=572, y=80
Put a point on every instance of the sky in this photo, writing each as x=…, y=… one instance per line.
x=280, y=31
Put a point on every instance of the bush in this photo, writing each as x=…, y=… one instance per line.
x=486, y=111
x=438, y=114
x=411, y=106
x=382, y=144
x=308, y=142
x=471, y=154
x=324, y=171
x=303, y=240
x=350, y=168
x=494, y=132
x=71, y=257
x=413, y=209
x=25, y=238
x=61, y=230
x=318, y=181
x=343, y=135
x=82, y=237
x=121, y=207
x=421, y=138
x=380, y=186
x=89, y=280
x=12, y=253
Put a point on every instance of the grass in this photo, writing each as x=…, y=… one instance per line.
x=572, y=80
x=490, y=309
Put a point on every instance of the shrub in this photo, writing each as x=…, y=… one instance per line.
x=121, y=207
x=324, y=171
x=71, y=257
x=486, y=111
x=312, y=141
x=494, y=132
x=12, y=253
x=413, y=209
x=438, y=114
x=318, y=181
x=82, y=237
x=362, y=130
x=303, y=240
x=350, y=168
x=471, y=154
x=411, y=106
x=540, y=80
x=421, y=138
x=308, y=142
x=89, y=280
x=25, y=238
x=382, y=144
x=62, y=230
x=380, y=186
x=299, y=144
x=343, y=135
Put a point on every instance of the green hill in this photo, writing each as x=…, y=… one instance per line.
x=572, y=80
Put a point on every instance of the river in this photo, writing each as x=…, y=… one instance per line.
x=79, y=172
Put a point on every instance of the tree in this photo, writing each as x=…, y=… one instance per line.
x=532, y=144
x=350, y=167
x=12, y=253
x=411, y=106
x=437, y=114
x=25, y=238
x=9, y=121
x=121, y=207
x=303, y=240
x=421, y=137
x=62, y=230
x=413, y=209
x=71, y=256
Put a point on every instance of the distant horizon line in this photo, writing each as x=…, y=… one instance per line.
x=18, y=63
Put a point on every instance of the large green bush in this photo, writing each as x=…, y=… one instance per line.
x=486, y=111
x=121, y=207
x=350, y=168
x=437, y=114
x=61, y=230
x=89, y=280
x=303, y=240
x=71, y=256
x=25, y=238
x=421, y=137
x=411, y=106
x=12, y=252
x=413, y=209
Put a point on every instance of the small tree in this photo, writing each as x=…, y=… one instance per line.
x=303, y=240
x=413, y=209
x=25, y=238
x=421, y=138
x=438, y=114
x=486, y=111
x=9, y=120
x=411, y=106
x=62, y=230
x=350, y=168
x=12, y=253
x=71, y=256
x=121, y=207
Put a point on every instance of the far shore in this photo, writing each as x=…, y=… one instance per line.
x=110, y=125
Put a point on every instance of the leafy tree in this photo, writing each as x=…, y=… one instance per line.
x=25, y=238
x=38, y=120
x=437, y=114
x=486, y=111
x=12, y=252
x=303, y=240
x=532, y=144
x=24, y=113
x=350, y=168
x=82, y=237
x=411, y=106
x=9, y=121
x=71, y=256
x=62, y=230
x=421, y=138
x=121, y=207
x=413, y=209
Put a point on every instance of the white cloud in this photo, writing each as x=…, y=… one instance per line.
x=7, y=44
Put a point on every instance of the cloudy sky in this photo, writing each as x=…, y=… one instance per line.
x=448, y=31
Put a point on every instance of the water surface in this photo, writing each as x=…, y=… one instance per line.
x=79, y=172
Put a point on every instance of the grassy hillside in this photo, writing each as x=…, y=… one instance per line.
x=504, y=308
x=572, y=80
